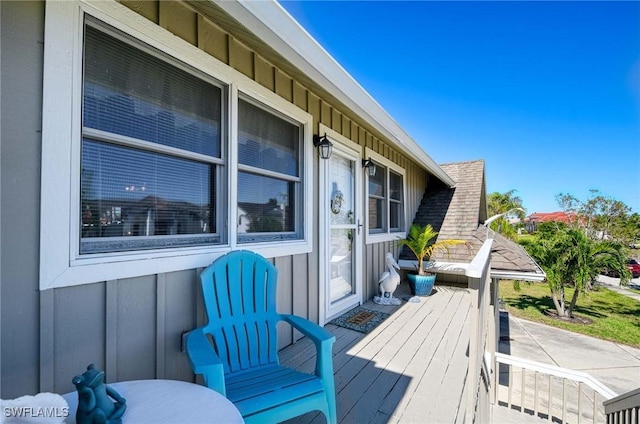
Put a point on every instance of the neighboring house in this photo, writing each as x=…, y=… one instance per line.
x=142, y=140
x=531, y=222
x=458, y=213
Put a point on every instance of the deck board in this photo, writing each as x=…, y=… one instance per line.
x=444, y=379
x=411, y=368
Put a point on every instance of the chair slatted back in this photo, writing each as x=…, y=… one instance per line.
x=239, y=291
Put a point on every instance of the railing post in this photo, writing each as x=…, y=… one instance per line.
x=478, y=275
x=474, y=341
x=549, y=400
x=564, y=399
x=579, y=402
x=493, y=336
x=535, y=394
x=510, y=383
x=524, y=376
x=595, y=407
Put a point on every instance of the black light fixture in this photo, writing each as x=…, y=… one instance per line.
x=369, y=166
x=324, y=146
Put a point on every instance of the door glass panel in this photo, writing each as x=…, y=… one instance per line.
x=342, y=201
x=342, y=204
x=341, y=264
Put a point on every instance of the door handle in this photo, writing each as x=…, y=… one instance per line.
x=359, y=226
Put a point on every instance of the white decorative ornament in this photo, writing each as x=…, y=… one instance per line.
x=337, y=198
x=388, y=283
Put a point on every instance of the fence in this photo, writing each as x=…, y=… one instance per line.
x=547, y=391
x=624, y=409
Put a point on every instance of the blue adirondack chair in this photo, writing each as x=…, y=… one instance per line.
x=241, y=362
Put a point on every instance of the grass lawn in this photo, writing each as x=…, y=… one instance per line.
x=615, y=317
x=526, y=237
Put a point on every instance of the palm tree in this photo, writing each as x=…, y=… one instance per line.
x=419, y=242
x=499, y=203
x=571, y=259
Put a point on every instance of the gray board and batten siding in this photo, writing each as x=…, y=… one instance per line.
x=132, y=326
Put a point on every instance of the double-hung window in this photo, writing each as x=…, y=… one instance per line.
x=151, y=153
x=156, y=157
x=269, y=174
x=385, y=191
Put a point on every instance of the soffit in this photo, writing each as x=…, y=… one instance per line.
x=364, y=110
x=242, y=34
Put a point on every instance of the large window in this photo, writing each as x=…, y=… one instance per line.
x=156, y=157
x=386, y=200
x=268, y=175
x=151, y=150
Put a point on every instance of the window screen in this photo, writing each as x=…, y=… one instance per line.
x=395, y=201
x=269, y=180
x=377, y=200
x=136, y=193
x=386, y=201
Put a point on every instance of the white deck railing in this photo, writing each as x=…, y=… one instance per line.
x=624, y=409
x=482, y=338
x=551, y=392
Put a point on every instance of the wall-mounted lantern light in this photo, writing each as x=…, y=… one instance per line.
x=324, y=146
x=369, y=166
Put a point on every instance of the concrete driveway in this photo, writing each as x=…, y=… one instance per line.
x=615, y=365
x=614, y=284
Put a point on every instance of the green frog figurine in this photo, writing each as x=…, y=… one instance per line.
x=95, y=404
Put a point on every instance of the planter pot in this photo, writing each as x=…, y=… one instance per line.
x=421, y=285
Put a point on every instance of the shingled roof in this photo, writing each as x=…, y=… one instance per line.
x=458, y=213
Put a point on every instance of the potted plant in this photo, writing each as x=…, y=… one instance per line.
x=419, y=242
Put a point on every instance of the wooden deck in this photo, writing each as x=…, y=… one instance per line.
x=410, y=369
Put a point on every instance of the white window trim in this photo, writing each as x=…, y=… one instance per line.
x=61, y=136
x=343, y=144
x=387, y=235
x=257, y=92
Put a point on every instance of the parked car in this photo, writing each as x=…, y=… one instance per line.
x=632, y=265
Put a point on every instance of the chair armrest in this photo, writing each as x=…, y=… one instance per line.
x=308, y=328
x=204, y=360
x=323, y=340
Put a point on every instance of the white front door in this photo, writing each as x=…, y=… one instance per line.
x=341, y=232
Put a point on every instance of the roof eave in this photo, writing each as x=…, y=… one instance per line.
x=273, y=24
x=460, y=268
x=514, y=275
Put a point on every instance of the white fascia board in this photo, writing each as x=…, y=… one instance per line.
x=460, y=268
x=275, y=26
x=514, y=275
x=457, y=268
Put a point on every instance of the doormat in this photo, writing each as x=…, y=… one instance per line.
x=360, y=319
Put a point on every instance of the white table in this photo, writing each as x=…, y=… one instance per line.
x=167, y=402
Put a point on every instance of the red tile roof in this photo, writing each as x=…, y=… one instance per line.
x=550, y=216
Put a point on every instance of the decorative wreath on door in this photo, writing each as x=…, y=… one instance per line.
x=337, y=198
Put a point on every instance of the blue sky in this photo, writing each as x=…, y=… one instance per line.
x=547, y=93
